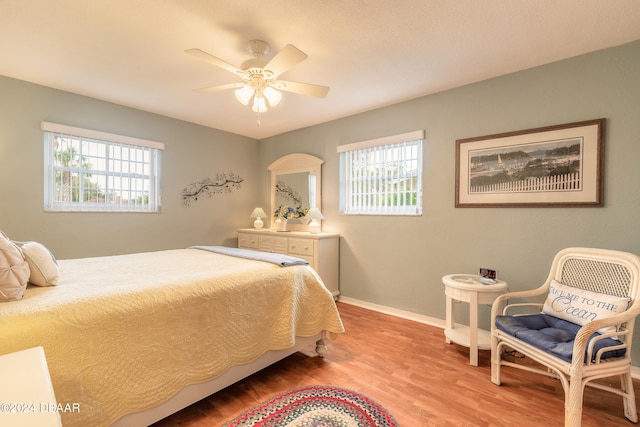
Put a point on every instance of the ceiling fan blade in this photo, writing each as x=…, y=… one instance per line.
x=285, y=59
x=220, y=87
x=215, y=61
x=302, y=88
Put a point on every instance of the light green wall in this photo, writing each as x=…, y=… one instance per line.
x=392, y=261
x=191, y=153
x=399, y=261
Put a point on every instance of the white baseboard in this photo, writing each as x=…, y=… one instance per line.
x=394, y=312
x=635, y=371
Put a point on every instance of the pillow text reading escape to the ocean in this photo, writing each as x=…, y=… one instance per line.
x=580, y=306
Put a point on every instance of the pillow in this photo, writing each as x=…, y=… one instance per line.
x=580, y=306
x=42, y=264
x=14, y=270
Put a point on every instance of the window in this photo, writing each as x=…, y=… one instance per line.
x=95, y=171
x=382, y=176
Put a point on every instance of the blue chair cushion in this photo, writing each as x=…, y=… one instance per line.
x=551, y=334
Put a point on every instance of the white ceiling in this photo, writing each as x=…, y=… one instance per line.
x=371, y=53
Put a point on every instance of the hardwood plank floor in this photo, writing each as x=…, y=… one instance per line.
x=408, y=368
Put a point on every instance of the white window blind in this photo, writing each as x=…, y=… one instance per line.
x=382, y=176
x=94, y=171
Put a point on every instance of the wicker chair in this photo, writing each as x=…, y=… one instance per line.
x=583, y=353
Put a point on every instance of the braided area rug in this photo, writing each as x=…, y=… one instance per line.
x=316, y=406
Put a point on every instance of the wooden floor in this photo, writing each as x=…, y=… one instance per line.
x=409, y=369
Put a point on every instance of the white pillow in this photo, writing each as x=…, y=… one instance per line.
x=14, y=270
x=43, y=265
x=580, y=306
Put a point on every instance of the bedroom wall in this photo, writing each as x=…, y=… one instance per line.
x=191, y=153
x=392, y=261
x=399, y=261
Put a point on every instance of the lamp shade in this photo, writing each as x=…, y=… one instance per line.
x=273, y=96
x=262, y=98
x=259, y=106
x=244, y=94
x=258, y=213
x=314, y=215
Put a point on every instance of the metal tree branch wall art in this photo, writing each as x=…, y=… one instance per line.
x=224, y=183
x=288, y=193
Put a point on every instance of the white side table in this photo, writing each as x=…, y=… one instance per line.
x=468, y=288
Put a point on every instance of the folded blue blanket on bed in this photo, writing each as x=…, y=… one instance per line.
x=278, y=259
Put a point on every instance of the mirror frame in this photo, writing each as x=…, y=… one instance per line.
x=296, y=163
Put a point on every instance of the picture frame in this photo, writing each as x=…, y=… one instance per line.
x=553, y=166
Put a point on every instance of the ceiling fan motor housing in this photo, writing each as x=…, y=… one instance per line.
x=258, y=48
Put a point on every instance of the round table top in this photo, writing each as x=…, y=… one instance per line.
x=472, y=282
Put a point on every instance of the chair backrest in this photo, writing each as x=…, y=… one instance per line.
x=605, y=275
x=600, y=270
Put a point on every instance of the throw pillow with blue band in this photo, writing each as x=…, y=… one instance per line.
x=581, y=306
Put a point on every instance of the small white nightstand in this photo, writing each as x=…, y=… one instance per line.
x=468, y=288
x=26, y=392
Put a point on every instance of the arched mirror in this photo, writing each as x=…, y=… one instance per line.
x=295, y=183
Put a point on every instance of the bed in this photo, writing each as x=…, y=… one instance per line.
x=130, y=339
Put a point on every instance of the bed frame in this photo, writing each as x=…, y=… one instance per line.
x=195, y=392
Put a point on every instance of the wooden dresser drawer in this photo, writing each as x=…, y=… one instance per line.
x=247, y=241
x=301, y=247
x=273, y=244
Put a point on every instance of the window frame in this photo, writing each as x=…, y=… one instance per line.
x=370, y=200
x=148, y=157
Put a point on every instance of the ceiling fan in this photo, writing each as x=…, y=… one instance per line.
x=260, y=78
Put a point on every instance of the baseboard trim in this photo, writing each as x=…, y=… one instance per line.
x=394, y=312
x=432, y=321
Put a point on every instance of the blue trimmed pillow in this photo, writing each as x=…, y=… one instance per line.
x=580, y=306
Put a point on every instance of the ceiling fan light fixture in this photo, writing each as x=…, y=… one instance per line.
x=260, y=76
x=244, y=94
x=273, y=96
x=259, y=105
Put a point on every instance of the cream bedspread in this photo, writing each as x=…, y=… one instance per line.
x=124, y=333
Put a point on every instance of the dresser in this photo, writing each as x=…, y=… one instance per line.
x=321, y=250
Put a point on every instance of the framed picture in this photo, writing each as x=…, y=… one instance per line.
x=558, y=165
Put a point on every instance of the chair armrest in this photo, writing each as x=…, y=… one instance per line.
x=499, y=305
x=585, y=332
x=507, y=308
x=592, y=343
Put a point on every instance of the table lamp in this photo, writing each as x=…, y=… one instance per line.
x=314, y=215
x=258, y=213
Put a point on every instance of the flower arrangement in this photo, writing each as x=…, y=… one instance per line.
x=287, y=212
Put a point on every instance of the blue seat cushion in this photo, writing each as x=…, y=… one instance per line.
x=551, y=334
